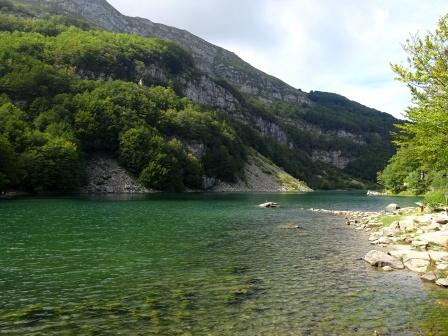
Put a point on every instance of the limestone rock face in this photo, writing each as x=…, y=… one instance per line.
x=335, y=158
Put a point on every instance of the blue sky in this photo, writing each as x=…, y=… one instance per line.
x=342, y=46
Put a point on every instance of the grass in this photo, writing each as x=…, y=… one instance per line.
x=387, y=220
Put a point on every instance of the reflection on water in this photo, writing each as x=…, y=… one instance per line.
x=202, y=264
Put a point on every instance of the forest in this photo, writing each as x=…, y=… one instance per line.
x=51, y=118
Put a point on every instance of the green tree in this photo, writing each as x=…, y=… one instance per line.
x=55, y=166
x=138, y=146
x=422, y=140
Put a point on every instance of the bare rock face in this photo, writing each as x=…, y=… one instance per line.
x=335, y=158
x=105, y=176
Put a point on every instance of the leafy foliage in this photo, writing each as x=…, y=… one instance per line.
x=56, y=107
x=422, y=158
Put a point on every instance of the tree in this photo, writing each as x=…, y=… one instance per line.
x=422, y=141
x=427, y=78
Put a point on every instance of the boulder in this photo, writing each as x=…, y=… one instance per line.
x=441, y=219
x=416, y=255
x=381, y=259
x=438, y=256
x=442, y=267
x=439, y=238
x=391, y=230
x=432, y=227
x=392, y=207
x=417, y=265
x=442, y=282
x=430, y=276
x=420, y=243
x=269, y=205
x=407, y=225
x=384, y=240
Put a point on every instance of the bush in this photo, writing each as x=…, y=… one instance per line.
x=435, y=198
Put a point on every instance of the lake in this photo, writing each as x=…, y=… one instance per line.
x=202, y=264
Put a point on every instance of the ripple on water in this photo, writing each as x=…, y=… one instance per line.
x=201, y=265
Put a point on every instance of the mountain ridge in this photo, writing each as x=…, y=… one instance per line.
x=210, y=58
x=320, y=137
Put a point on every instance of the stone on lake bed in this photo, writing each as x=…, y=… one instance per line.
x=442, y=282
x=381, y=259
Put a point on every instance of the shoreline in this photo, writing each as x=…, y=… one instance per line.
x=409, y=239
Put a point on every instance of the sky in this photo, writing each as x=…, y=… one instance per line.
x=341, y=46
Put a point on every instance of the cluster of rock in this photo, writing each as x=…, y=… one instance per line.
x=415, y=241
x=105, y=176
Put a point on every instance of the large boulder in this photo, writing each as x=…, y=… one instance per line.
x=392, y=207
x=430, y=276
x=391, y=230
x=441, y=219
x=417, y=265
x=407, y=225
x=438, y=256
x=381, y=259
x=442, y=282
x=439, y=238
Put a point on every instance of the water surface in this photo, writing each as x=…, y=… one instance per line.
x=202, y=264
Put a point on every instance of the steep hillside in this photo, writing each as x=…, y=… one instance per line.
x=324, y=139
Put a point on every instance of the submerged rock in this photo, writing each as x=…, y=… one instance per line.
x=381, y=259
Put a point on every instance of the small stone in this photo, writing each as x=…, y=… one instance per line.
x=387, y=268
x=442, y=282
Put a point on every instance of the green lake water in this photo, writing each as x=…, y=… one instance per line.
x=202, y=264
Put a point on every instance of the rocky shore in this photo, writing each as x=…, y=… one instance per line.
x=405, y=239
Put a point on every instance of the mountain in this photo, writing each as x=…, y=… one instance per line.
x=322, y=138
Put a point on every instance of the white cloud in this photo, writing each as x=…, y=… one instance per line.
x=340, y=46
